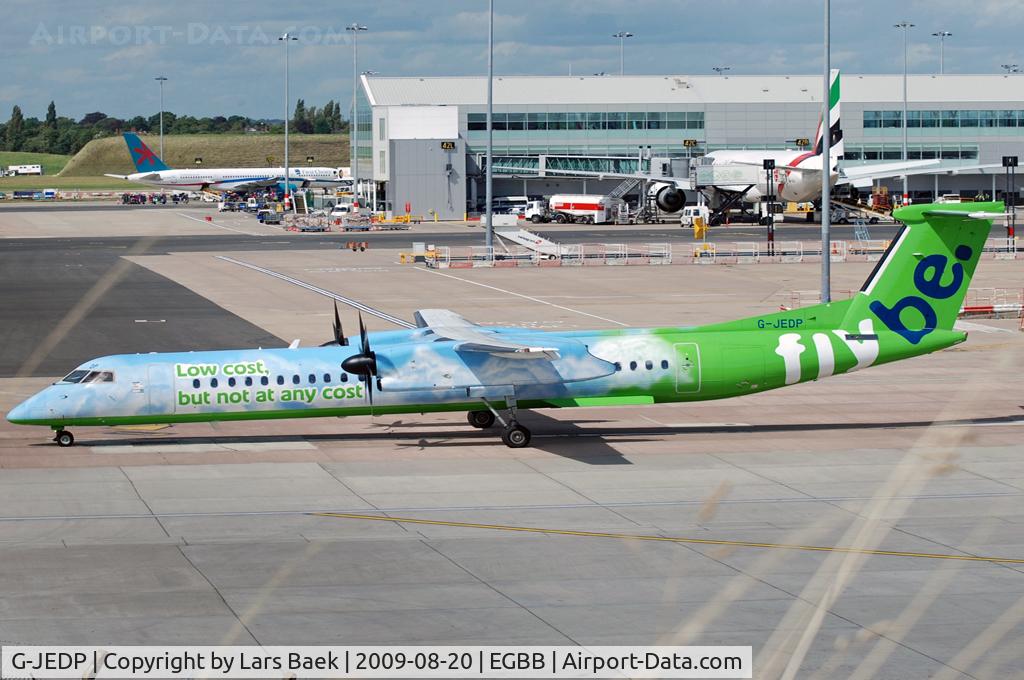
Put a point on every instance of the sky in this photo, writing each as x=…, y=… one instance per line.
x=223, y=57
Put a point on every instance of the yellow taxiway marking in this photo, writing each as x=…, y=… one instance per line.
x=671, y=539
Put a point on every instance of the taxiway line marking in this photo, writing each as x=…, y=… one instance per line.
x=673, y=539
x=525, y=297
x=320, y=291
x=219, y=226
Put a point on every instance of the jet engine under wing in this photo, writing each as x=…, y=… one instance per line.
x=469, y=337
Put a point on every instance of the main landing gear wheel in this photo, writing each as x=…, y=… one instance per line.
x=480, y=419
x=515, y=436
x=64, y=438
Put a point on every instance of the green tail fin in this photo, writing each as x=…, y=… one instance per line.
x=919, y=284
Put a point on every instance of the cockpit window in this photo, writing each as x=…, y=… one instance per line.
x=89, y=377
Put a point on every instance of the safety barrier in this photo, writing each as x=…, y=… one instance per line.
x=866, y=250
x=993, y=302
x=700, y=252
x=1001, y=248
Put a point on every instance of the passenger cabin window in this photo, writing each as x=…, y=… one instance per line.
x=264, y=380
x=248, y=382
x=649, y=364
x=327, y=377
x=231, y=382
x=213, y=382
x=295, y=380
x=632, y=365
x=664, y=363
x=312, y=379
x=195, y=383
x=280, y=380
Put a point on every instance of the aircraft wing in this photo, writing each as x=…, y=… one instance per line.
x=865, y=175
x=107, y=174
x=453, y=353
x=256, y=184
x=469, y=337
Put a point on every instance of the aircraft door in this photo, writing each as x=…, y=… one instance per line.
x=688, y=378
x=160, y=386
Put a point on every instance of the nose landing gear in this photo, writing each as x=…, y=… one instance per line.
x=63, y=438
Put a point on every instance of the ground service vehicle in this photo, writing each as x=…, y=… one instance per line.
x=582, y=208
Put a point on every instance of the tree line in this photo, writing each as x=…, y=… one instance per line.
x=63, y=135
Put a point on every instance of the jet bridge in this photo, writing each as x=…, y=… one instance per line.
x=731, y=183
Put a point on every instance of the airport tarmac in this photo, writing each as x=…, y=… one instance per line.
x=422, y=530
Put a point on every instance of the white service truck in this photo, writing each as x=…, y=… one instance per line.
x=581, y=208
x=25, y=169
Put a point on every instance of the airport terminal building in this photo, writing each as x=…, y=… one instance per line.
x=423, y=140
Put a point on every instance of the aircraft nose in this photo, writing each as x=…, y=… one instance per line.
x=31, y=411
x=19, y=413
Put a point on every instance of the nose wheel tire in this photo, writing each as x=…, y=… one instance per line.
x=515, y=436
x=480, y=419
x=64, y=438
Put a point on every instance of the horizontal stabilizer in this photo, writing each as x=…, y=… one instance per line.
x=975, y=215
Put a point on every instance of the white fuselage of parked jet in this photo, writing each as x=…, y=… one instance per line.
x=797, y=174
x=239, y=179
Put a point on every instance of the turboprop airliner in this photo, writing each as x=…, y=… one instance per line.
x=906, y=308
x=153, y=171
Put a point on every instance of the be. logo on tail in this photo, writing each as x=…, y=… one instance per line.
x=928, y=276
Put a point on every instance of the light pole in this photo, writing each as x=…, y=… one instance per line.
x=720, y=69
x=160, y=80
x=489, y=176
x=286, y=38
x=1010, y=197
x=826, y=164
x=622, y=35
x=355, y=28
x=1010, y=68
x=906, y=26
x=942, y=35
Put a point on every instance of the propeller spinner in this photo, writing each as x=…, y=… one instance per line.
x=363, y=364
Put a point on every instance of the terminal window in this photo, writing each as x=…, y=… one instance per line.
x=954, y=118
x=590, y=120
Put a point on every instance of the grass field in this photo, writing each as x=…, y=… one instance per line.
x=9, y=184
x=52, y=163
x=217, y=151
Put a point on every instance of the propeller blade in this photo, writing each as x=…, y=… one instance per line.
x=368, y=384
x=363, y=337
x=339, y=336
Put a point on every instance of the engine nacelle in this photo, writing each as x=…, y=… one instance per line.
x=670, y=198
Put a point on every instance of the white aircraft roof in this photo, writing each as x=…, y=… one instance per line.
x=685, y=89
